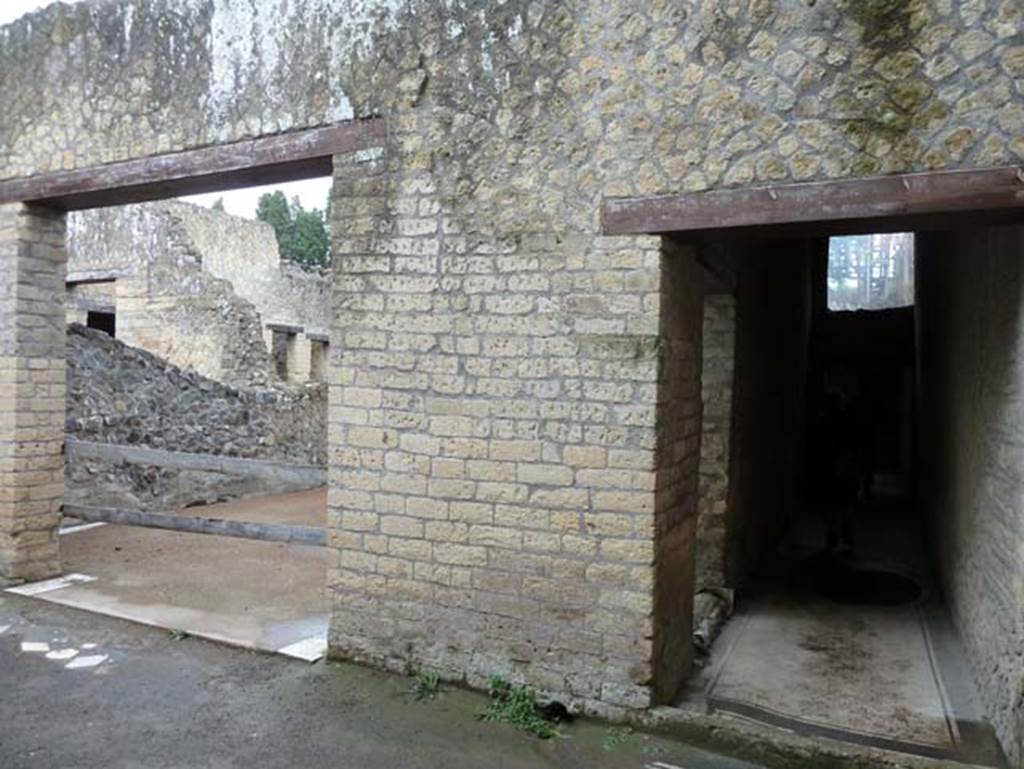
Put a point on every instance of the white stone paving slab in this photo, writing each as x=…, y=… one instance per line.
x=87, y=661
x=48, y=585
x=309, y=649
x=81, y=527
x=62, y=654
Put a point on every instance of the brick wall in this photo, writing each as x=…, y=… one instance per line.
x=718, y=362
x=32, y=264
x=678, y=420
x=500, y=498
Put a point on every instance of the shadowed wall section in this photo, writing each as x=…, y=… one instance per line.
x=970, y=288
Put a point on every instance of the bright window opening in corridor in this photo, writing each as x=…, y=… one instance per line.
x=871, y=272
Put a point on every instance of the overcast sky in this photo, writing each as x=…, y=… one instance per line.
x=312, y=192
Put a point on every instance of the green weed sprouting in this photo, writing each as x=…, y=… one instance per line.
x=516, y=705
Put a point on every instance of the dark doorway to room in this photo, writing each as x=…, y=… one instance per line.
x=824, y=544
x=102, y=321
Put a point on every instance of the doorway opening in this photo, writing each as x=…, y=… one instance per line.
x=184, y=409
x=194, y=484
x=821, y=512
x=102, y=321
x=767, y=247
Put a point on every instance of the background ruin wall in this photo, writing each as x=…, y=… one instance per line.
x=197, y=287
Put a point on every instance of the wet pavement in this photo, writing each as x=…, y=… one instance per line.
x=158, y=703
x=260, y=595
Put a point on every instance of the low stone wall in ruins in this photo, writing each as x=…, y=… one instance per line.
x=118, y=394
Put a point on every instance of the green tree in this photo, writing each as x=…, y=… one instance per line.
x=273, y=209
x=301, y=235
x=310, y=244
x=218, y=204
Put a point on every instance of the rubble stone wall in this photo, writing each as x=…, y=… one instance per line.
x=119, y=394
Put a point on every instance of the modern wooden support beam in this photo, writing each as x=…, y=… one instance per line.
x=197, y=524
x=266, y=160
x=870, y=204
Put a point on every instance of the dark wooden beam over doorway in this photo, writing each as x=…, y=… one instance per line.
x=266, y=160
x=884, y=203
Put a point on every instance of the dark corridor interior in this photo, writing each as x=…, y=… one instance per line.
x=827, y=549
x=822, y=465
x=857, y=483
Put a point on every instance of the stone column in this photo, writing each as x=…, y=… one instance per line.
x=318, y=360
x=268, y=339
x=300, y=354
x=32, y=380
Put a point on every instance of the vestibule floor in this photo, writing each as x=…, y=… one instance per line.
x=814, y=648
x=255, y=594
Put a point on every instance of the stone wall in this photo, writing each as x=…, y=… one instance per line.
x=677, y=462
x=718, y=362
x=245, y=254
x=147, y=487
x=970, y=291
x=492, y=498
x=118, y=394
x=194, y=286
x=83, y=298
x=493, y=428
x=691, y=95
x=164, y=301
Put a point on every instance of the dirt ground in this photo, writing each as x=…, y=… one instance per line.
x=159, y=703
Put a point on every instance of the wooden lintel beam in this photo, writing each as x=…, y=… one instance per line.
x=196, y=524
x=80, y=277
x=913, y=197
x=264, y=160
x=285, y=328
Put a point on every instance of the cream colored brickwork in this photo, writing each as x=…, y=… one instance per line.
x=501, y=499
x=32, y=380
x=716, y=393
